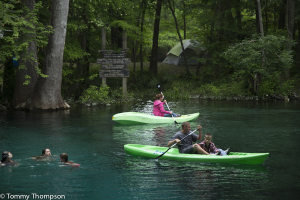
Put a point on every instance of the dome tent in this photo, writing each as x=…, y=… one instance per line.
x=192, y=50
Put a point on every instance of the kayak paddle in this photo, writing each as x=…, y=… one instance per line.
x=175, y=144
x=158, y=86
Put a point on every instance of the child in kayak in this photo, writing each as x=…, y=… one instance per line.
x=158, y=107
x=210, y=147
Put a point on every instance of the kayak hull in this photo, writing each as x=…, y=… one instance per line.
x=173, y=154
x=143, y=118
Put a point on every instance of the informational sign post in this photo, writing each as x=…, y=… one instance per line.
x=114, y=64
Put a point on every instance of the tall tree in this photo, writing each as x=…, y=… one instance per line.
x=153, y=59
x=47, y=93
x=144, y=7
x=28, y=65
x=290, y=13
x=260, y=23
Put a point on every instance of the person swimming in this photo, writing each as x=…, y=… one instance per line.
x=65, y=160
x=6, y=158
x=45, y=153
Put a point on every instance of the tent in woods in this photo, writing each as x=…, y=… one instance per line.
x=192, y=50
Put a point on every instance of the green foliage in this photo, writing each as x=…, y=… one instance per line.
x=274, y=84
x=177, y=93
x=117, y=94
x=264, y=56
x=95, y=94
x=260, y=55
x=208, y=90
x=19, y=27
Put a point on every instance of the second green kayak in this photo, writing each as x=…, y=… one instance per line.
x=173, y=154
x=144, y=118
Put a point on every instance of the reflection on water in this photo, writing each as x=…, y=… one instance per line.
x=194, y=180
x=150, y=134
x=92, y=139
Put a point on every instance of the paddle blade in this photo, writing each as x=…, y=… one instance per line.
x=163, y=153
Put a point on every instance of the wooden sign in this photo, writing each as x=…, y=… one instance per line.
x=114, y=55
x=106, y=51
x=107, y=61
x=113, y=73
x=112, y=66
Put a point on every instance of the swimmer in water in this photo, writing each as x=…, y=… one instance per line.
x=6, y=158
x=64, y=159
x=46, y=153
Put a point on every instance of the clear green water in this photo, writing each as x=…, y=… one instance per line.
x=92, y=139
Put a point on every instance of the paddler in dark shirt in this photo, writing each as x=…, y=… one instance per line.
x=186, y=145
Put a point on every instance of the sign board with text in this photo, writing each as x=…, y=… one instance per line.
x=113, y=73
x=113, y=64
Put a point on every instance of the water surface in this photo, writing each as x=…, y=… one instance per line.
x=92, y=139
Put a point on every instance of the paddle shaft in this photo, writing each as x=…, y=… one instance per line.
x=170, y=110
x=175, y=144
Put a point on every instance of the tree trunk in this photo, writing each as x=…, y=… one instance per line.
x=266, y=17
x=290, y=17
x=22, y=92
x=290, y=13
x=239, y=20
x=261, y=27
x=282, y=13
x=257, y=17
x=142, y=29
x=184, y=22
x=8, y=82
x=180, y=39
x=83, y=65
x=257, y=76
x=47, y=93
x=153, y=59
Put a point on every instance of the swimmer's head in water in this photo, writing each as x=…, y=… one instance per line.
x=5, y=155
x=63, y=157
x=46, y=152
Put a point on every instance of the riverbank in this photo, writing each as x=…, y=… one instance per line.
x=175, y=84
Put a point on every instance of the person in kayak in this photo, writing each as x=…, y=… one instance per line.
x=210, y=147
x=6, y=159
x=158, y=107
x=186, y=145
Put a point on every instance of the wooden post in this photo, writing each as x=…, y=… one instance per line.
x=103, y=48
x=124, y=42
x=124, y=82
x=124, y=86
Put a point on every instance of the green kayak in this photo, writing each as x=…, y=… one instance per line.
x=143, y=118
x=173, y=154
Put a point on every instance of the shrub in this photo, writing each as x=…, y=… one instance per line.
x=95, y=94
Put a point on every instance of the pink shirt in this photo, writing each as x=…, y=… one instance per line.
x=158, y=108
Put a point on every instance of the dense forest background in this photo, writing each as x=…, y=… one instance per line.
x=251, y=49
